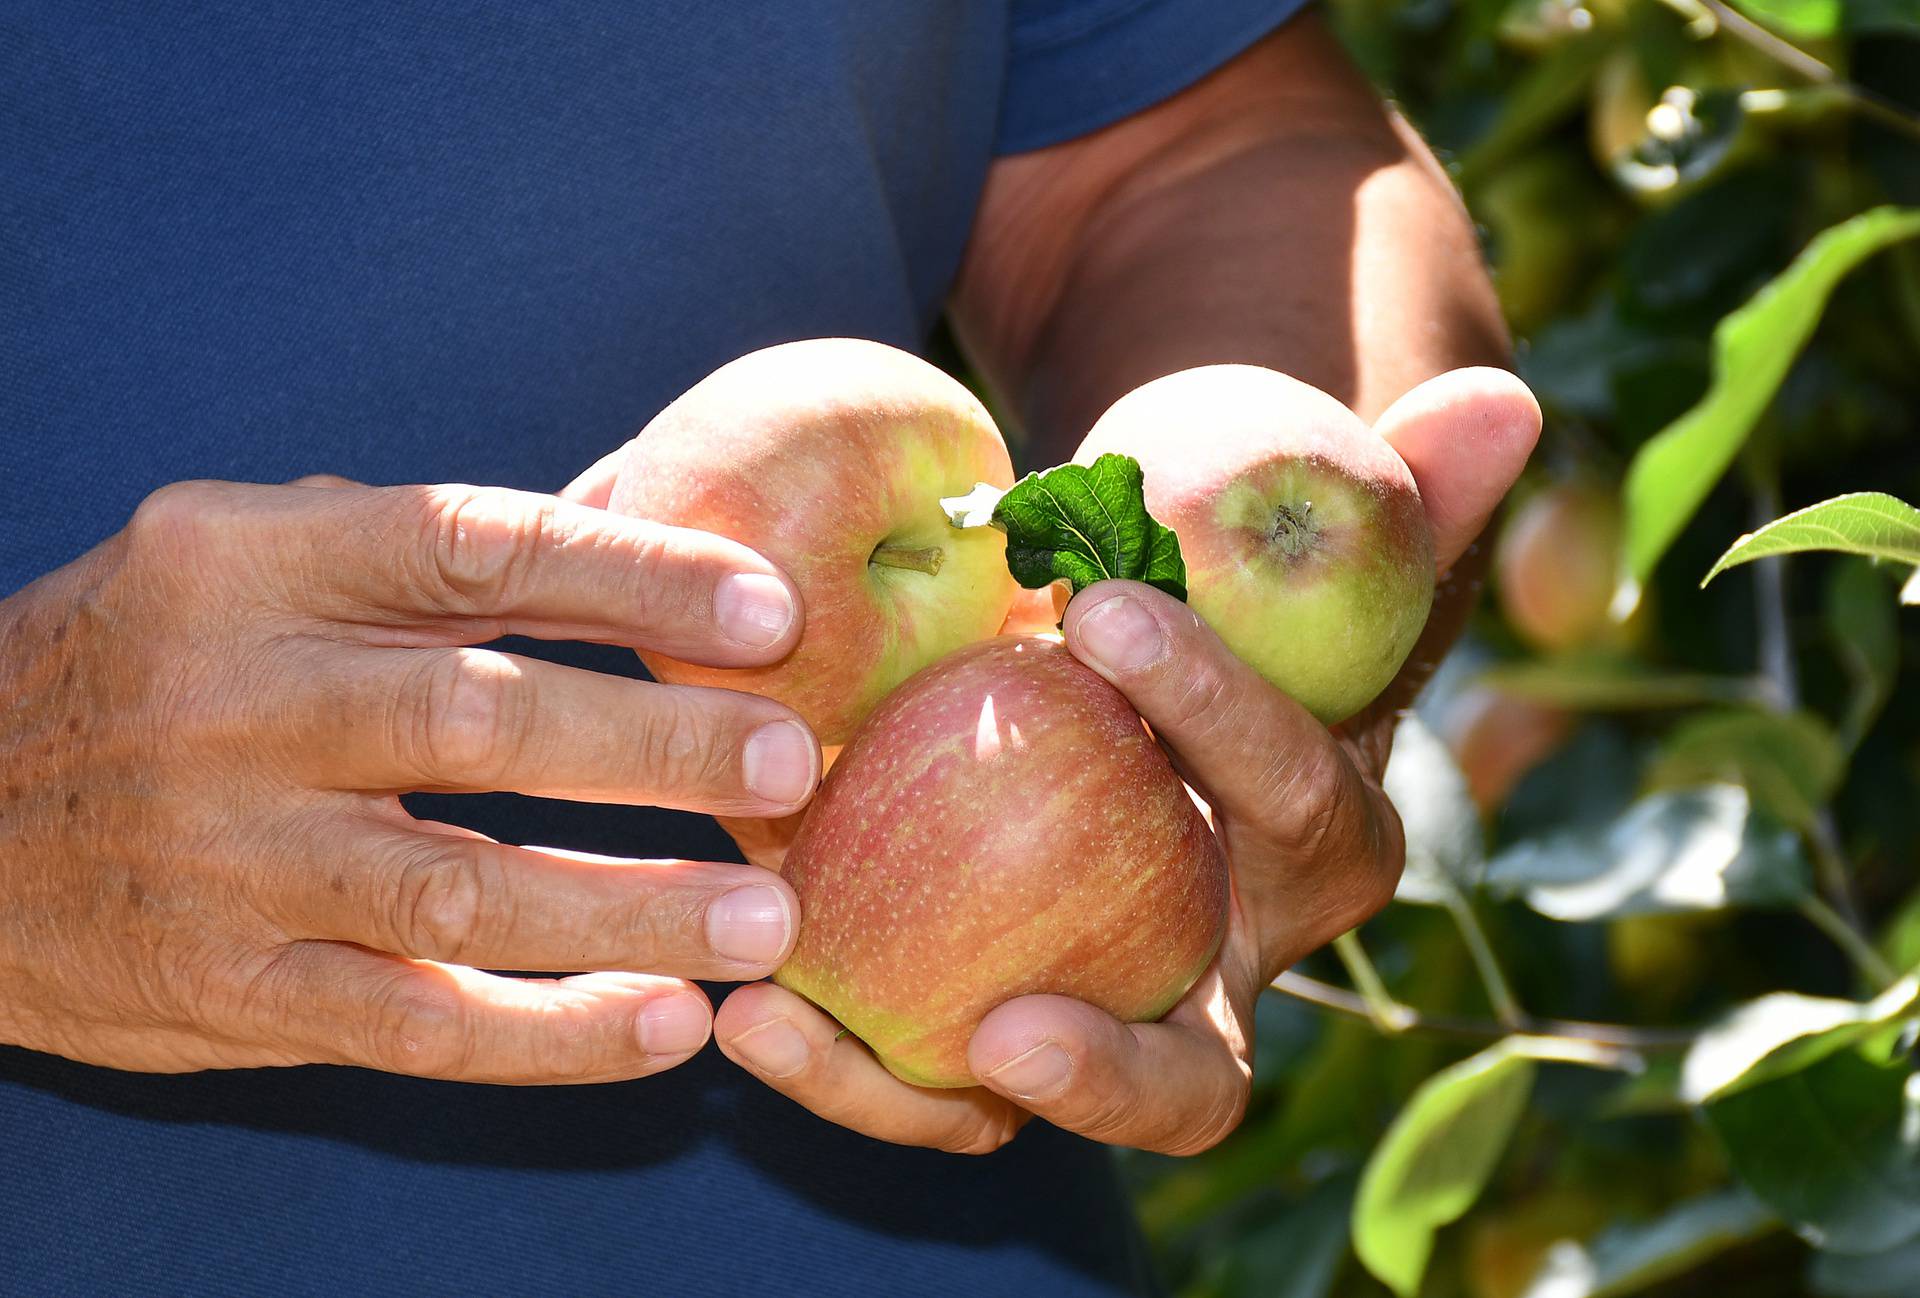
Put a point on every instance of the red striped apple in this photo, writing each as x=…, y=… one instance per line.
x=1306, y=543
x=830, y=457
x=1001, y=825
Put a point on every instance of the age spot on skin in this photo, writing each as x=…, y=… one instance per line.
x=73, y=802
x=337, y=885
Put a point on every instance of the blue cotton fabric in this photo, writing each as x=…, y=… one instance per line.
x=485, y=242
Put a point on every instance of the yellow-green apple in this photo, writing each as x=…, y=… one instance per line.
x=1557, y=565
x=1306, y=544
x=829, y=457
x=1001, y=825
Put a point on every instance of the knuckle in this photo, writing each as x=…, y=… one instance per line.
x=478, y=545
x=984, y=1135
x=1226, y=1107
x=419, y=1028
x=1200, y=701
x=441, y=892
x=682, y=748
x=177, y=518
x=465, y=716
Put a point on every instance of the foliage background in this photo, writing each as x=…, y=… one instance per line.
x=1639, y=169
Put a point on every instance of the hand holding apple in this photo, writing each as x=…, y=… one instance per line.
x=1312, y=844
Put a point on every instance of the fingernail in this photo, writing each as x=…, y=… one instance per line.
x=749, y=924
x=1037, y=1074
x=775, y=1048
x=1121, y=635
x=673, y=1025
x=753, y=608
x=779, y=762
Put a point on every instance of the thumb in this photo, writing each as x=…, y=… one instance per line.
x=1466, y=436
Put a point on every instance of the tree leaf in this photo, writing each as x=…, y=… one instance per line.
x=1863, y=522
x=1807, y=20
x=1083, y=523
x=1789, y=762
x=1607, y=684
x=1297, y=1255
x=1834, y=1149
x=1888, y=1273
x=1435, y=1160
x=1445, y=851
x=1782, y=1034
x=1627, y=1258
x=1753, y=349
x=1866, y=637
x=1678, y=850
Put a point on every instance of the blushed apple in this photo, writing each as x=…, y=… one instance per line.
x=1001, y=825
x=1306, y=543
x=830, y=457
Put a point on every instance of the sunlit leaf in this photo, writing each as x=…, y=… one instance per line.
x=1627, y=1258
x=1445, y=852
x=1789, y=762
x=1834, y=1149
x=1753, y=348
x=1804, y=19
x=1679, y=850
x=1606, y=684
x=1864, y=522
x=1782, y=1034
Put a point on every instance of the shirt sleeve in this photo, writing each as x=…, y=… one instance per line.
x=1074, y=66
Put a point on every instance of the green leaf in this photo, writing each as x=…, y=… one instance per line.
x=1679, y=850
x=1789, y=761
x=1297, y=1254
x=1803, y=19
x=1866, y=637
x=1435, y=1160
x=1834, y=1149
x=1628, y=1258
x=1864, y=522
x=1888, y=1273
x=1445, y=851
x=1782, y=1034
x=1088, y=523
x=1883, y=16
x=1605, y=684
x=1753, y=349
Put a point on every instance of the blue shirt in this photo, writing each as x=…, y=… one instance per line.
x=485, y=243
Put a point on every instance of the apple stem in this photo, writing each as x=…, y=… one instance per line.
x=1292, y=527
x=926, y=558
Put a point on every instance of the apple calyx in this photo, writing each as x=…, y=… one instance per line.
x=1293, y=529
x=1081, y=522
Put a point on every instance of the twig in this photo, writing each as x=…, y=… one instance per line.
x=1376, y=1002
x=1741, y=28
x=1506, y=1006
x=1845, y=936
x=1617, y=1035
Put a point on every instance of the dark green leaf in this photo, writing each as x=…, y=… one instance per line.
x=1832, y=1149
x=1866, y=637
x=1789, y=761
x=1297, y=1254
x=1088, y=523
x=1628, y=1258
x=1680, y=850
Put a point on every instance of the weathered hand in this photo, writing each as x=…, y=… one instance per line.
x=1314, y=845
x=204, y=727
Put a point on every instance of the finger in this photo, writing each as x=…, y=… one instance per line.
x=595, y=487
x=335, y=1003
x=800, y=1052
x=478, y=561
x=474, y=720
x=1466, y=435
x=324, y=481
x=437, y=893
x=1254, y=752
x=1175, y=1087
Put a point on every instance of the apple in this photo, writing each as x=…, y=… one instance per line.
x=829, y=457
x=1498, y=737
x=1002, y=825
x=1306, y=544
x=1557, y=565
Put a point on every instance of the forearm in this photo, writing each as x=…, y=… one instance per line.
x=1299, y=226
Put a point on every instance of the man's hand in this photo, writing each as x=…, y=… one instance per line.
x=1314, y=846
x=204, y=727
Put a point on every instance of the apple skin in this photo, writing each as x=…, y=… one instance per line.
x=1498, y=737
x=820, y=455
x=1557, y=565
x=1002, y=825
x=1306, y=543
